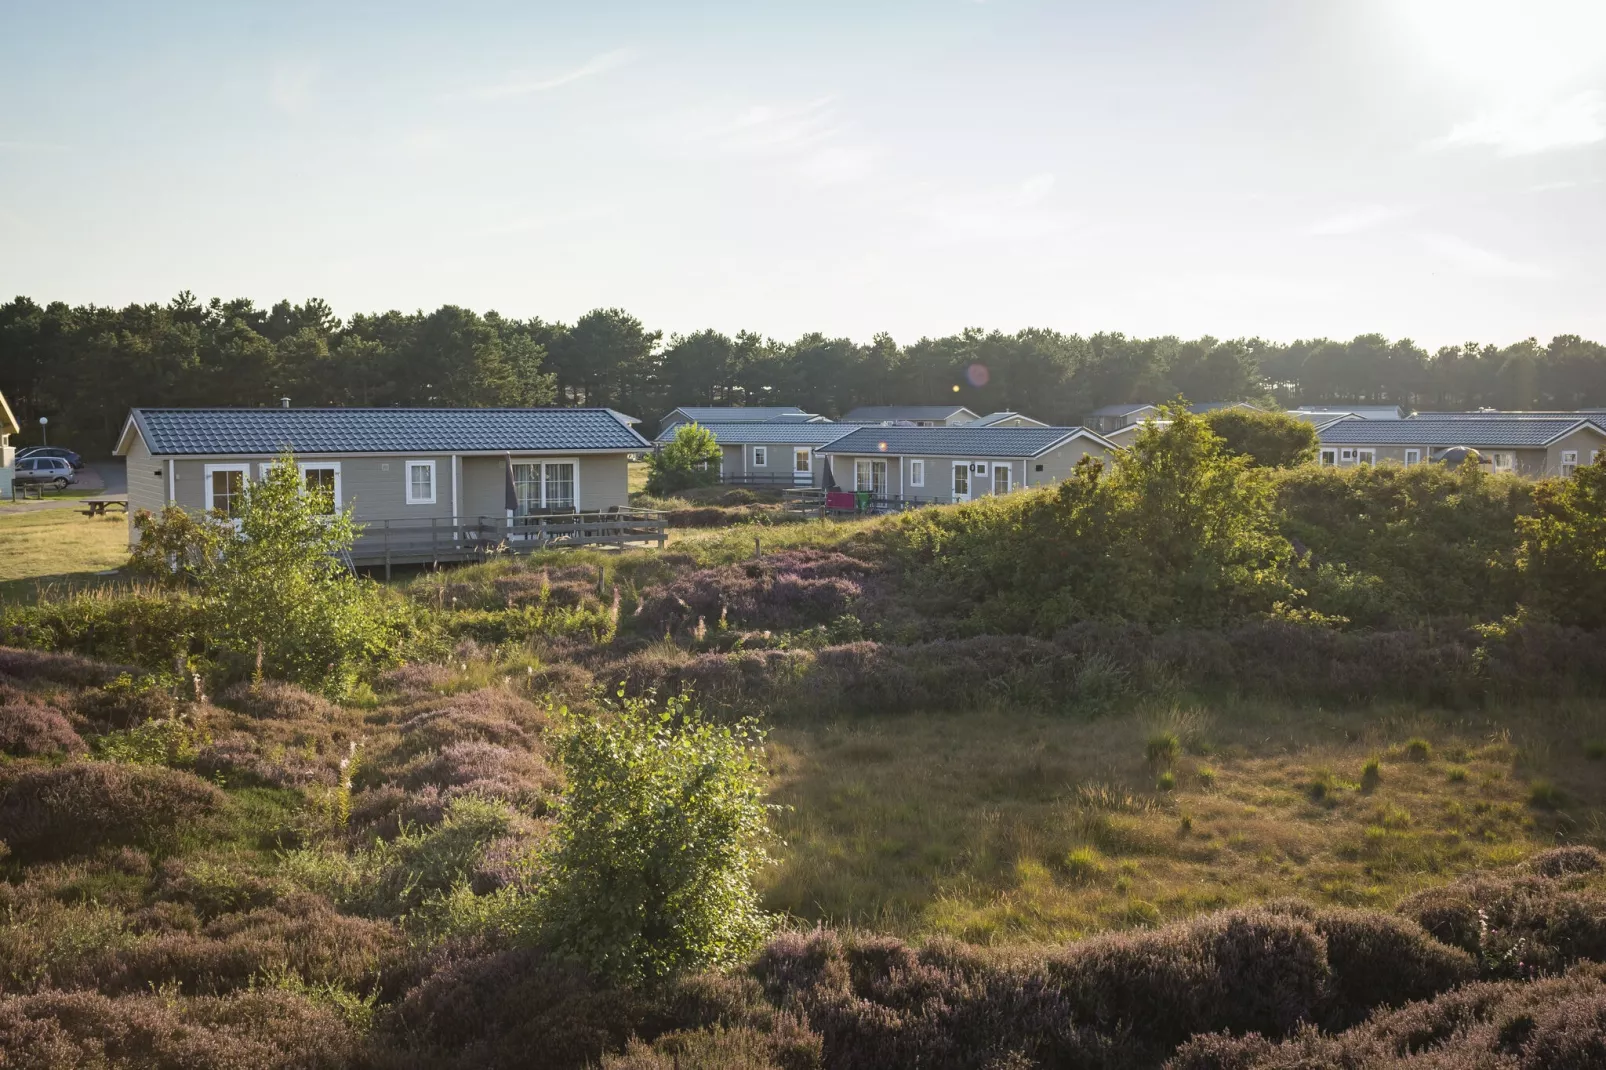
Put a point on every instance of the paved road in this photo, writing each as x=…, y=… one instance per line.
x=102, y=477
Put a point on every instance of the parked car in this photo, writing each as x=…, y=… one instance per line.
x=60, y=452
x=50, y=470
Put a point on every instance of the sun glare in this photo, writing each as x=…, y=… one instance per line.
x=1511, y=45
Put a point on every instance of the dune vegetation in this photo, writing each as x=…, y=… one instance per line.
x=1185, y=762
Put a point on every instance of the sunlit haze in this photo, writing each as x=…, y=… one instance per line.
x=1428, y=169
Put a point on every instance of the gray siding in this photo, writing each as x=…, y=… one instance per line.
x=1531, y=461
x=738, y=461
x=147, y=483
x=1057, y=465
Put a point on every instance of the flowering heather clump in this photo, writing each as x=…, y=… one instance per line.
x=492, y=715
x=264, y=1029
x=70, y=669
x=239, y=760
x=28, y=727
x=790, y=589
x=78, y=807
x=473, y=767
x=272, y=700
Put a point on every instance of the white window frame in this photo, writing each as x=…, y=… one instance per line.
x=761, y=456
x=303, y=467
x=859, y=468
x=1594, y=456
x=434, y=481
x=1413, y=457
x=1346, y=456
x=541, y=464
x=1569, y=462
x=953, y=488
x=1366, y=456
x=806, y=455
x=917, y=473
x=1009, y=479
x=207, y=471
x=1503, y=461
x=1327, y=456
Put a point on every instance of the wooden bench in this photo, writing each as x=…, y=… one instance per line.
x=98, y=506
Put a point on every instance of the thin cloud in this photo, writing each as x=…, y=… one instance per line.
x=810, y=137
x=1011, y=212
x=521, y=86
x=1533, y=127
x=1476, y=260
x=1354, y=221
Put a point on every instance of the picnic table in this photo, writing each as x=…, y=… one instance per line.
x=98, y=506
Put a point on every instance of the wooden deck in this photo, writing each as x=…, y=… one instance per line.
x=434, y=541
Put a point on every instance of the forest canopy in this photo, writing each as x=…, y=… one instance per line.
x=84, y=366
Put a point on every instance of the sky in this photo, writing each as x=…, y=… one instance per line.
x=1432, y=169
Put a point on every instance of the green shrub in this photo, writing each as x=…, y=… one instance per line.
x=1162, y=748
x=1545, y=795
x=1418, y=749
x=657, y=841
x=1268, y=439
x=1562, y=556
x=1371, y=774
x=690, y=459
x=1167, y=781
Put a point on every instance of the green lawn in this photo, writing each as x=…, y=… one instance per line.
x=57, y=545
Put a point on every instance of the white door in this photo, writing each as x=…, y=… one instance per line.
x=1001, y=479
x=961, y=484
x=802, y=466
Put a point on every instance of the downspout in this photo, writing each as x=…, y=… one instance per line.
x=172, y=497
x=457, y=481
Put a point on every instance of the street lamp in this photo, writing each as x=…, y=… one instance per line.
x=44, y=435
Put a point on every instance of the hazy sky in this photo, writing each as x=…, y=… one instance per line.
x=1432, y=169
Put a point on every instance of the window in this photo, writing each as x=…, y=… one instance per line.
x=917, y=473
x=1504, y=462
x=548, y=485
x=961, y=481
x=1594, y=456
x=1001, y=479
x=802, y=460
x=420, y=482
x=1329, y=457
x=1346, y=456
x=1365, y=456
x=323, y=478
x=761, y=456
x=225, y=488
x=1413, y=457
x=560, y=485
x=870, y=476
x=1569, y=462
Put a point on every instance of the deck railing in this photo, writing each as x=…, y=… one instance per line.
x=437, y=539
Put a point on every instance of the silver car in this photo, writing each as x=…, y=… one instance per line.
x=47, y=470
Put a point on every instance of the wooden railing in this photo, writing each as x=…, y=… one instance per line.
x=437, y=539
x=766, y=479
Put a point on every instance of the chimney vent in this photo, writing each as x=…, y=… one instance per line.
x=284, y=403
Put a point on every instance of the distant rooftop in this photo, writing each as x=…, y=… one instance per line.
x=1124, y=409
x=267, y=431
x=777, y=432
x=1418, y=431
x=961, y=441
x=866, y=414
x=710, y=414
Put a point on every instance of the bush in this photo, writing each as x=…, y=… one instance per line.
x=82, y=806
x=69, y=669
x=790, y=589
x=690, y=459
x=28, y=727
x=657, y=840
x=1268, y=439
x=1562, y=555
x=272, y=700
x=259, y=1030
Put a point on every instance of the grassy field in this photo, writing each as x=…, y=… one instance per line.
x=1009, y=827
x=57, y=544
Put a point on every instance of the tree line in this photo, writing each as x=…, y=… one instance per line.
x=84, y=366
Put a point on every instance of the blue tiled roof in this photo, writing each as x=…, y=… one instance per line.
x=774, y=431
x=216, y=432
x=1596, y=418
x=1121, y=410
x=1426, y=431
x=712, y=414
x=999, y=417
x=959, y=441
x=875, y=413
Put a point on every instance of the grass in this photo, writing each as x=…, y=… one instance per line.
x=1005, y=827
x=57, y=545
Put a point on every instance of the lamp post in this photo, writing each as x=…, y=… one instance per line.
x=44, y=434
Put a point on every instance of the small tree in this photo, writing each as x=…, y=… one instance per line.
x=272, y=581
x=1268, y=439
x=657, y=842
x=1562, y=556
x=690, y=459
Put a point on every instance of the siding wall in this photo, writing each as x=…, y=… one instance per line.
x=739, y=461
x=147, y=483
x=1057, y=465
x=1532, y=462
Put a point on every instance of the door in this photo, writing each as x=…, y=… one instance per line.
x=1001, y=479
x=961, y=485
x=802, y=466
